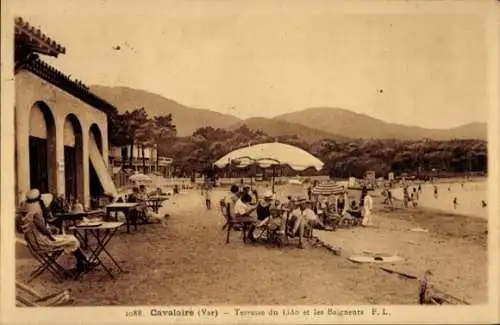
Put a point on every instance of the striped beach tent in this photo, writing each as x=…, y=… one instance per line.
x=327, y=189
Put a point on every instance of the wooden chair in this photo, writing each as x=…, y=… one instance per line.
x=27, y=297
x=230, y=223
x=140, y=214
x=46, y=257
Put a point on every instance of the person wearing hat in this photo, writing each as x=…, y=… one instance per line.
x=303, y=217
x=35, y=205
x=263, y=210
x=297, y=219
x=264, y=206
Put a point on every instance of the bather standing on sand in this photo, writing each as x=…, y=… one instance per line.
x=435, y=192
x=207, y=191
x=406, y=197
x=366, y=208
x=455, y=203
x=389, y=197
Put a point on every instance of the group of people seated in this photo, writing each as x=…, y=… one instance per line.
x=140, y=195
x=247, y=208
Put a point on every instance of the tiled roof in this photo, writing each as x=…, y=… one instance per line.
x=39, y=42
x=74, y=87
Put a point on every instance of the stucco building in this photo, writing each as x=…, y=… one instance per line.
x=132, y=156
x=61, y=126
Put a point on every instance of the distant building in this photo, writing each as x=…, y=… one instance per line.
x=352, y=182
x=370, y=177
x=120, y=157
x=61, y=128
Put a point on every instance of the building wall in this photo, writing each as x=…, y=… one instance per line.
x=31, y=89
x=116, y=152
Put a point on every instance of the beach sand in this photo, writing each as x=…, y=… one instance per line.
x=186, y=261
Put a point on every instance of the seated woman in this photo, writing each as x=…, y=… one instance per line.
x=58, y=205
x=264, y=206
x=34, y=207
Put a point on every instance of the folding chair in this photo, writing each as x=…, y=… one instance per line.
x=225, y=212
x=46, y=257
x=27, y=297
x=140, y=214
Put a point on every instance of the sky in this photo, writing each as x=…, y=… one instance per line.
x=401, y=63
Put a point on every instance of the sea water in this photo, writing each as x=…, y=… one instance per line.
x=469, y=197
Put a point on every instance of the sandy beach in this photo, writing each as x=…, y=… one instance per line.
x=186, y=261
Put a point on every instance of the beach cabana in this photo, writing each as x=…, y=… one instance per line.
x=327, y=189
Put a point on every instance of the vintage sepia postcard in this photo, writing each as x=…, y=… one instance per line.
x=249, y=162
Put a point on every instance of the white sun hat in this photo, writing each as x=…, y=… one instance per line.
x=268, y=195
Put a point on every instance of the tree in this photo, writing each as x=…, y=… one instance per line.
x=135, y=119
x=165, y=132
x=144, y=137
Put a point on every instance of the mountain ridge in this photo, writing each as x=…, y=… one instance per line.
x=356, y=125
x=187, y=119
x=310, y=124
x=282, y=128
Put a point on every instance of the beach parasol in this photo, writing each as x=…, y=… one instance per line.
x=327, y=189
x=272, y=154
x=139, y=178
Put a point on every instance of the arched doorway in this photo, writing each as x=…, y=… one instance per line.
x=96, y=188
x=73, y=158
x=42, y=148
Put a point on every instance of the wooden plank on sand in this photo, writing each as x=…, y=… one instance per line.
x=406, y=275
x=440, y=293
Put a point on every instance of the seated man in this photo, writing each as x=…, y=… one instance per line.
x=230, y=202
x=302, y=218
x=242, y=209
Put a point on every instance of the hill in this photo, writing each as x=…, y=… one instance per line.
x=354, y=125
x=311, y=124
x=187, y=119
x=275, y=128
